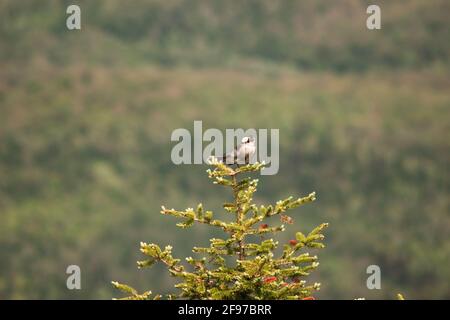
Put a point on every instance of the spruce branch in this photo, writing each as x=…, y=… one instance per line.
x=256, y=273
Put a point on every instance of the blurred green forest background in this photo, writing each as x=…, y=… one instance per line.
x=86, y=118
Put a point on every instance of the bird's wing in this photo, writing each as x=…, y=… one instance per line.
x=229, y=157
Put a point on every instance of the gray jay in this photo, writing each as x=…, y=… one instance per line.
x=242, y=153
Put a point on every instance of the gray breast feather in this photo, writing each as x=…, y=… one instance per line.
x=241, y=154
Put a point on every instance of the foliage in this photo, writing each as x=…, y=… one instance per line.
x=311, y=34
x=238, y=266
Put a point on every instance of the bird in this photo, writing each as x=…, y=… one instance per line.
x=242, y=153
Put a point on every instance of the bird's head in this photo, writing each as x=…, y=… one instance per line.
x=247, y=140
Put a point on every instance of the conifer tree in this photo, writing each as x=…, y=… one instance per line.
x=244, y=263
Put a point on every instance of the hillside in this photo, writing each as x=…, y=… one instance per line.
x=87, y=117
